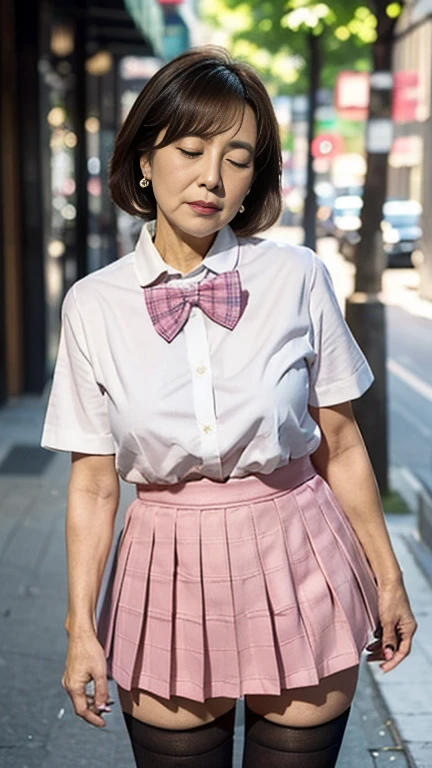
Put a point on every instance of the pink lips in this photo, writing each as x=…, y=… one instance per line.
x=200, y=206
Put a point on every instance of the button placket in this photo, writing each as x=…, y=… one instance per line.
x=202, y=385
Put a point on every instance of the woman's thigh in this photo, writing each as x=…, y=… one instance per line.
x=176, y=713
x=306, y=707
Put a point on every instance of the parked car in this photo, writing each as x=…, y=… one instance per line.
x=346, y=217
x=401, y=231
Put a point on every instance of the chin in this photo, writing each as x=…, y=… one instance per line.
x=201, y=227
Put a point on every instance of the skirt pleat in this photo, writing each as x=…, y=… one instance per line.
x=222, y=663
x=268, y=592
x=188, y=643
x=354, y=553
x=132, y=603
x=294, y=654
x=154, y=635
x=349, y=580
x=255, y=637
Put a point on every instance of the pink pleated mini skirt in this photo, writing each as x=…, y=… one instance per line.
x=251, y=586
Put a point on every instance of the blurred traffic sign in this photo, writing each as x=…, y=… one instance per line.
x=352, y=95
x=327, y=145
x=405, y=96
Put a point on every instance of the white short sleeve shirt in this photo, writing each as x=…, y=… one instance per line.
x=213, y=402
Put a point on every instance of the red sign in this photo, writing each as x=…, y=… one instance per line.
x=327, y=145
x=170, y=2
x=405, y=96
x=406, y=152
x=352, y=95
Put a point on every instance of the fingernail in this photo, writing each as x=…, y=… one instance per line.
x=388, y=653
x=104, y=708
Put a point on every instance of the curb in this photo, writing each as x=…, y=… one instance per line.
x=400, y=754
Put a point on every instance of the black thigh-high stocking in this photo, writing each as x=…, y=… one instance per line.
x=269, y=745
x=207, y=746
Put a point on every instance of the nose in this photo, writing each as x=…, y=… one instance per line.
x=210, y=172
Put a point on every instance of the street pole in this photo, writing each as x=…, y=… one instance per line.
x=309, y=214
x=365, y=313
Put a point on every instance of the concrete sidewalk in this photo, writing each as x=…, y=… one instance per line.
x=37, y=726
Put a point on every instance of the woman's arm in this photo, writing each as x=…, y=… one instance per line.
x=93, y=496
x=342, y=460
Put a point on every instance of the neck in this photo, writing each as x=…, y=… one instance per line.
x=182, y=251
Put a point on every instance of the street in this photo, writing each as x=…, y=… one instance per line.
x=410, y=390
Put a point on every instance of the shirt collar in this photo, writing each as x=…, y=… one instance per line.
x=150, y=266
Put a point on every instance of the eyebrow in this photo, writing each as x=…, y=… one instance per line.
x=242, y=145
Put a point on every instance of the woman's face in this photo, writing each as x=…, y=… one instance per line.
x=200, y=184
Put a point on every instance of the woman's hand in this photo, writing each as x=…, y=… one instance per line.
x=396, y=628
x=85, y=662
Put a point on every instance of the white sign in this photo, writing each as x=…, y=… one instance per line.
x=381, y=81
x=379, y=135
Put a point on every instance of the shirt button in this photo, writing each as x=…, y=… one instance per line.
x=201, y=369
x=207, y=428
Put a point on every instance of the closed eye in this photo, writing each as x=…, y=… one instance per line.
x=239, y=165
x=186, y=153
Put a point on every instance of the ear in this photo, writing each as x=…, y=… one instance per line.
x=145, y=166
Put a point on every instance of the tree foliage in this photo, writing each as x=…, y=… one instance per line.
x=271, y=34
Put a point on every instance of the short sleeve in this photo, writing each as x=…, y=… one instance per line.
x=339, y=371
x=76, y=418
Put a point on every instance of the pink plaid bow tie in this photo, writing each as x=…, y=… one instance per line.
x=169, y=305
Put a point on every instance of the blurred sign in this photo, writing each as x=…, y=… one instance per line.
x=352, y=95
x=405, y=96
x=381, y=80
x=327, y=145
x=325, y=119
x=379, y=135
x=406, y=152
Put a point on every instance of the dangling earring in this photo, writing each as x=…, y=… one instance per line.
x=242, y=209
x=144, y=182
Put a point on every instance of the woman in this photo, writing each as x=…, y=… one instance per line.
x=214, y=371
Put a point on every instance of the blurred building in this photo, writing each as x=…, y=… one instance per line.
x=70, y=70
x=410, y=160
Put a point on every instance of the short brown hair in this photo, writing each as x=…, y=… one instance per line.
x=199, y=93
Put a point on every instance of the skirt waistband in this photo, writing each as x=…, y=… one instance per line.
x=206, y=492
